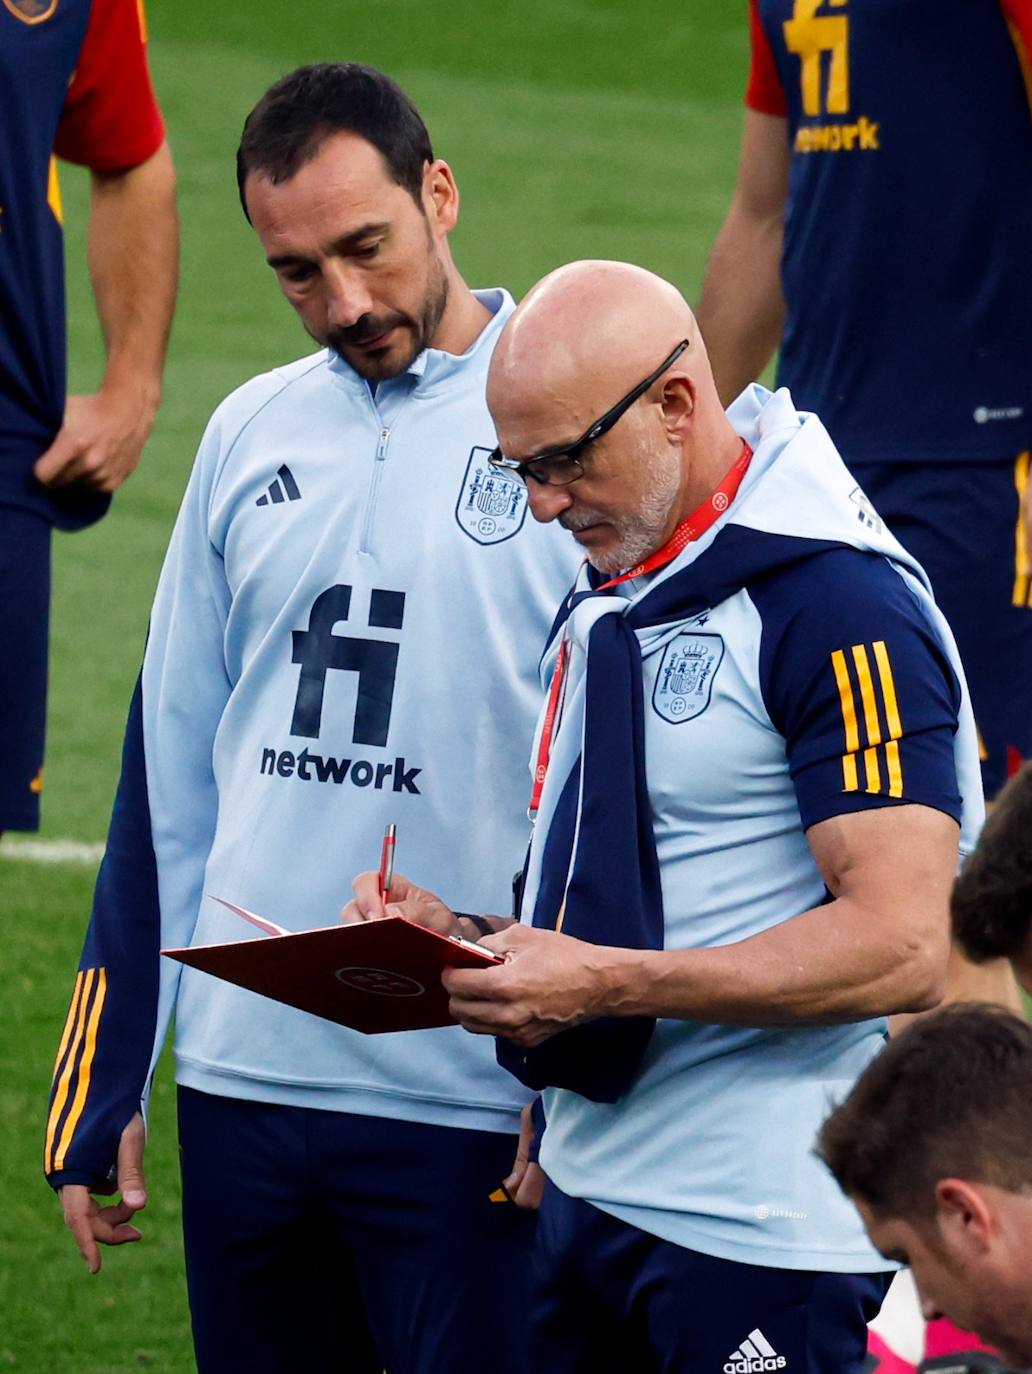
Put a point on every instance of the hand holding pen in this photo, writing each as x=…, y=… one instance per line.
x=385, y=877
x=373, y=891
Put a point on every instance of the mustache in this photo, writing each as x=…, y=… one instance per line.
x=368, y=327
x=580, y=520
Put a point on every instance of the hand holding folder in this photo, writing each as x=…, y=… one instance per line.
x=373, y=976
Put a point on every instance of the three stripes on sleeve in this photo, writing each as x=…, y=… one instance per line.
x=74, y=1064
x=870, y=750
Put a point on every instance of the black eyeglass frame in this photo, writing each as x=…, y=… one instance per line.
x=571, y=452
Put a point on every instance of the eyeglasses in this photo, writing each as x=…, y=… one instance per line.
x=560, y=466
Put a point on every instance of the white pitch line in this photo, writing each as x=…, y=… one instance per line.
x=51, y=851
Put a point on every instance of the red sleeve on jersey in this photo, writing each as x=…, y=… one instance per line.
x=763, y=92
x=1018, y=14
x=111, y=118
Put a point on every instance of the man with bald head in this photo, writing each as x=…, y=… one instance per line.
x=753, y=772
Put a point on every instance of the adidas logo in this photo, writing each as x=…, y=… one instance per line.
x=275, y=492
x=755, y=1355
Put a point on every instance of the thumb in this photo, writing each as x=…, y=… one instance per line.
x=56, y=458
x=523, y=1144
x=367, y=902
x=507, y=941
x=519, y=1167
x=131, y=1182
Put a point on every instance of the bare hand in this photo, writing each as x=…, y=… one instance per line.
x=526, y=1183
x=548, y=983
x=88, y=1221
x=414, y=903
x=100, y=442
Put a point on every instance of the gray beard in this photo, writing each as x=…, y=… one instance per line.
x=639, y=533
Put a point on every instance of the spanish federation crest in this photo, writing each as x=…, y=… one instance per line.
x=684, y=682
x=32, y=11
x=492, y=505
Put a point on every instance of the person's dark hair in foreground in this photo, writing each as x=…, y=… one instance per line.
x=295, y=116
x=992, y=898
x=956, y=1204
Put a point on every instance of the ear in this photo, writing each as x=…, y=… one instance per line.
x=964, y=1215
x=440, y=197
x=678, y=402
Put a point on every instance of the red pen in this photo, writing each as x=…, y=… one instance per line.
x=386, y=874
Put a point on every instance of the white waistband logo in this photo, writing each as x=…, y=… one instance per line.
x=755, y=1355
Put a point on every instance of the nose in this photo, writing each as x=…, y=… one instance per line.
x=347, y=297
x=548, y=501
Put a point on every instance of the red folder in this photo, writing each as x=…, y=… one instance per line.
x=373, y=976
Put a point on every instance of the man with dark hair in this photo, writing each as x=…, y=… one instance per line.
x=992, y=898
x=295, y=131
x=956, y=1205
x=295, y=115
x=345, y=634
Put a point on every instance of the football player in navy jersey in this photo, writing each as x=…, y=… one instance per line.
x=73, y=84
x=878, y=236
x=755, y=766
x=904, y=328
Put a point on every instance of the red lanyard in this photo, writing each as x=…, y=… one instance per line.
x=688, y=530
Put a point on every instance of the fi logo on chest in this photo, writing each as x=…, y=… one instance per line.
x=684, y=682
x=492, y=506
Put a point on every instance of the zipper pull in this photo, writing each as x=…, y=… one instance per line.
x=381, y=447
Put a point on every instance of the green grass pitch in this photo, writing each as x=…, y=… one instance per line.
x=576, y=128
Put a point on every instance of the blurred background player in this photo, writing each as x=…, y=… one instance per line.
x=73, y=84
x=879, y=235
